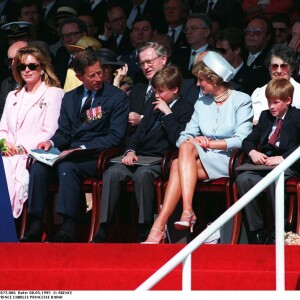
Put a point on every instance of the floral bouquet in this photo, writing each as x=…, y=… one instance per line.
x=291, y=238
x=3, y=148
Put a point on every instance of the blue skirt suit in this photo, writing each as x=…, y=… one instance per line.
x=231, y=121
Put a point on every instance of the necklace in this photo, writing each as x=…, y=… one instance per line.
x=222, y=97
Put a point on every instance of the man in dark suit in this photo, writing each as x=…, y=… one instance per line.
x=159, y=130
x=71, y=30
x=229, y=43
x=175, y=12
x=152, y=9
x=275, y=137
x=116, y=35
x=258, y=41
x=230, y=11
x=197, y=30
x=93, y=116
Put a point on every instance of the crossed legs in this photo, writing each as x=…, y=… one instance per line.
x=185, y=172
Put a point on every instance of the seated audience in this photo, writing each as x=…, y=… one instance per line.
x=281, y=62
x=77, y=130
x=164, y=119
x=29, y=117
x=275, y=137
x=221, y=120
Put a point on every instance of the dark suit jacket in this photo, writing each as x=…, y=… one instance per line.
x=61, y=62
x=154, y=10
x=189, y=93
x=124, y=46
x=7, y=85
x=243, y=78
x=155, y=141
x=230, y=11
x=289, y=134
x=257, y=75
x=107, y=132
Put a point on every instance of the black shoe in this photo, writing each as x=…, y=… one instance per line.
x=102, y=235
x=271, y=239
x=258, y=237
x=31, y=238
x=62, y=237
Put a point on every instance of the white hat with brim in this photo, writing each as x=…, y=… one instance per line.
x=219, y=65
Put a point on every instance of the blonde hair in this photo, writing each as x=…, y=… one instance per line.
x=47, y=75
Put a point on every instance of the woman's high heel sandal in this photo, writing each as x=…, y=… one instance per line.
x=156, y=240
x=186, y=221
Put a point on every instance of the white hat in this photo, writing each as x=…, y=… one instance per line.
x=218, y=64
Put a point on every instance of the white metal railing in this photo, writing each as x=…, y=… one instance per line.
x=184, y=256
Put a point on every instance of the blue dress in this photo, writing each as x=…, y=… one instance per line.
x=231, y=121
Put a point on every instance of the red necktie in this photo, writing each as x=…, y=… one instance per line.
x=276, y=134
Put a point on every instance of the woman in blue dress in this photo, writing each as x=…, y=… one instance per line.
x=221, y=120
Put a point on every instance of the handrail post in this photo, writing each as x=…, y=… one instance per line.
x=187, y=273
x=279, y=218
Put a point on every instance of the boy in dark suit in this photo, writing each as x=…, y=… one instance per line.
x=158, y=131
x=275, y=137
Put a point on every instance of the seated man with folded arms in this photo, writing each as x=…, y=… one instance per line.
x=164, y=119
x=275, y=137
x=92, y=116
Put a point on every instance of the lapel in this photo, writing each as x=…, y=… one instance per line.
x=36, y=99
x=286, y=129
x=269, y=124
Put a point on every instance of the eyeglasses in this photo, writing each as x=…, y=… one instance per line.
x=222, y=50
x=31, y=67
x=284, y=67
x=254, y=31
x=192, y=28
x=148, y=62
x=280, y=30
x=9, y=61
x=69, y=35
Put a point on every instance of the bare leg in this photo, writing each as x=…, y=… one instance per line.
x=185, y=171
x=190, y=171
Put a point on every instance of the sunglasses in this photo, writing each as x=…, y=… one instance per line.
x=31, y=67
x=284, y=67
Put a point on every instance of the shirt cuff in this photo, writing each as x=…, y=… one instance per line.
x=129, y=150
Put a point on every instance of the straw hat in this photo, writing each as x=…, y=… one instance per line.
x=83, y=43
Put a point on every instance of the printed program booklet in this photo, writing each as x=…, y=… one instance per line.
x=143, y=160
x=53, y=155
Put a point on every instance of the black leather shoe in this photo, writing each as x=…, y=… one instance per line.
x=31, y=238
x=101, y=236
x=258, y=237
x=271, y=239
x=62, y=237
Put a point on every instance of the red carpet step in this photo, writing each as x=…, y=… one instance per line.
x=126, y=266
